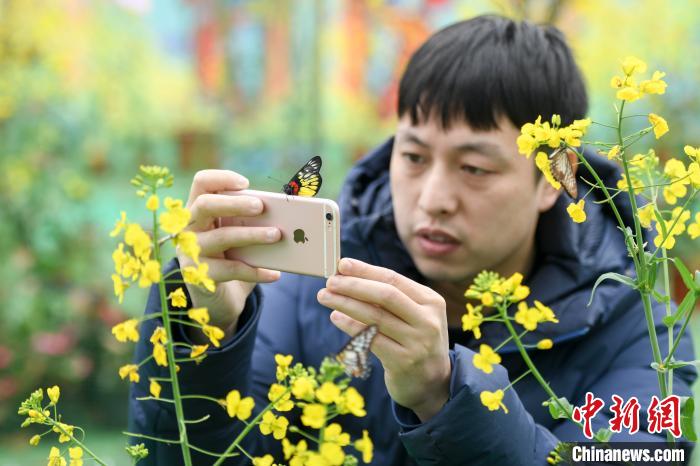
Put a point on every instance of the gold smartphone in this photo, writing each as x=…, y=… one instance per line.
x=310, y=228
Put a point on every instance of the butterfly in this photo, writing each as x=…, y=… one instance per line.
x=355, y=353
x=307, y=181
x=562, y=170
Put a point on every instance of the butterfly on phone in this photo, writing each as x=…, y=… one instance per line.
x=355, y=354
x=307, y=180
x=563, y=170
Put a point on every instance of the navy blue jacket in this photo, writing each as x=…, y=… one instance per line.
x=603, y=348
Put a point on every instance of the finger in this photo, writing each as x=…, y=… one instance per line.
x=212, y=181
x=386, y=296
x=207, y=207
x=414, y=290
x=224, y=270
x=218, y=240
x=388, y=323
x=386, y=349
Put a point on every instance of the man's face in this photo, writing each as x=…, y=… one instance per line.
x=465, y=200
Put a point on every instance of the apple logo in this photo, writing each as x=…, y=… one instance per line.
x=300, y=236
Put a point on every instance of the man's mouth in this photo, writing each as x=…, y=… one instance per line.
x=436, y=242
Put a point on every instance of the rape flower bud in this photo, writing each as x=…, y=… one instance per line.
x=54, y=393
x=545, y=344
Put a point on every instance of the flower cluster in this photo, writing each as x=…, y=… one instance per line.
x=628, y=89
x=38, y=412
x=493, y=291
x=537, y=134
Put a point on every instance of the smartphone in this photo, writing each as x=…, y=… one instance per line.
x=310, y=228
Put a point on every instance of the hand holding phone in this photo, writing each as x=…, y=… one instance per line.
x=234, y=279
x=310, y=243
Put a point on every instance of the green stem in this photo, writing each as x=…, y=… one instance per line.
x=667, y=289
x=175, y=384
x=533, y=368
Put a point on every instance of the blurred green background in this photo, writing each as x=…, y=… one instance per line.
x=91, y=89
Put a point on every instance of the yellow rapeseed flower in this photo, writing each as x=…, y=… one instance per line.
x=655, y=85
x=351, y=402
x=546, y=314
x=296, y=453
x=692, y=152
x=126, y=331
x=159, y=335
x=632, y=65
x=150, y=273
x=199, y=276
x=314, y=415
x=178, y=298
x=139, y=240
x=327, y=393
x=486, y=358
x=55, y=458
x=614, y=152
x=54, y=394
x=159, y=355
x=263, y=460
x=283, y=362
x=155, y=388
x=334, y=433
x=271, y=424
x=332, y=453
x=628, y=94
x=186, y=241
x=215, y=334
x=493, y=400
x=576, y=212
x=472, y=320
x=64, y=431
x=694, y=174
x=303, y=388
x=131, y=370
x=199, y=315
x=646, y=215
x=659, y=124
x=34, y=441
x=527, y=316
x=119, y=287
x=487, y=299
x=76, y=456
x=198, y=350
x=238, y=407
x=365, y=446
x=176, y=218
x=279, y=394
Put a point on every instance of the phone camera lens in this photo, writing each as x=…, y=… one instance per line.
x=329, y=216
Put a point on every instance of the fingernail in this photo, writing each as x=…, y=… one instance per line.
x=272, y=234
x=256, y=204
x=345, y=265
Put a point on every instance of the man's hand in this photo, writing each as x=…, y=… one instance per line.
x=412, y=342
x=234, y=279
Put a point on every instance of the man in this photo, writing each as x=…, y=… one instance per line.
x=447, y=197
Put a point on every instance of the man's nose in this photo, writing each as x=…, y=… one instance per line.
x=438, y=196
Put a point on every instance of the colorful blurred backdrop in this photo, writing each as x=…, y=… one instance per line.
x=90, y=89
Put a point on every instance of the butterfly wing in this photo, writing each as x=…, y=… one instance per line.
x=563, y=172
x=355, y=353
x=307, y=180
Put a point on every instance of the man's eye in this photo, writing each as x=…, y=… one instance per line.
x=413, y=158
x=474, y=170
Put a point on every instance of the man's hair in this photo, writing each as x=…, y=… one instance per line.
x=489, y=66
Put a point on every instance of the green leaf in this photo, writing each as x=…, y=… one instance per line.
x=687, y=410
x=685, y=275
x=612, y=276
x=687, y=304
x=556, y=411
x=603, y=435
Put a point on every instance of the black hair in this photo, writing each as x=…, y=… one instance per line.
x=478, y=70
